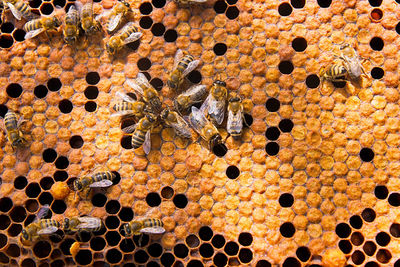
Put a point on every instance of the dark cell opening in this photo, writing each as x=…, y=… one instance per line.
x=356, y=221
x=382, y=239
x=60, y=176
x=99, y=199
x=343, y=230
x=57, y=237
x=285, y=9
x=377, y=73
x=90, y=106
x=299, y=44
x=357, y=239
x=157, y=84
x=20, y=182
x=245, y=255
x=144, y=64
x=3, y=240
x=134, y=45
x=3, y=110
x=14, y=90
x=248, y=120
x=324, y=3
x=167, y=192
x=92, y=78
x=13, y=251
x=31, y=205
x=220, y=259
x=298, y=3
x=398, y=28
x=152, y=264
x=158, y=3
x=303, y=254
x=287, y=229
x=220, y=49
x=232, y=172
x=376, y=14
x=76, y=141
x=167, y=259
x=394, y=199
x=181, y=251
x=220, y=150
x=285, y=67
x=180, y=201
x=381, y=192
x=4, y=222
x=84, y=257
x=5, y=204
x=6, y=41
x=40, y=91
x=206, y=250
x=286, y=125
x=205, y=233
x=220, y=6
x=91, y=92
x=366, y=154
x=14, y=229
x=158, y=29
x=54, y=84
x=141, y=256
x=62, y=162
x=195, y=76
x=49, y=155
x=18, y=214
x=65, y=106
x=232, y=12
x=60, y=263
x=153, y=199
x=312, y=81
x=272, y=133
x=372, y=264
x=272, y=148
x=32, y=190
x=113, y=238
x=146, y=22
x=58, y=206
x=7, y=27
x=375, y=2
x=376, y=43
x=4, y=258
x=28, y=263
x=368, y=214
x=192, y=241
x=46, y=8
x=218, y=241
x=245, y=239
x=45, y=198
x=126, y=214
x=155, y=250
x=35, y=3
x=19, y=35
x=286, y=200
x=113, y=206
x=358, y=257
x=127, y=245
x=60, y=3
x=42, y=249
x=145, y=8
x=273, y=104
x=263, y=263
x=291, y=262
x=369, y=248
x=126, y=142
x=231, y=248
x=194, y=263
x=383, y=256
x=112, y=222
x=170, y=36
x=395, y=230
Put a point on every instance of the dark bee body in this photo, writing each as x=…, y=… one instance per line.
x=186, y=100
x=335, y=73
x=76, y=224
x=150, y=226
x=142, y=132
x=88, y=23
x=184, y=63
x=71, y=27
x=137, y=108
x=128, y=34
x=19, y=9
x=14, y=135
x=173, y=119
x=37, y=26
x=118, y=13
x=235, y=116
x=100, y=179
x=32, y=231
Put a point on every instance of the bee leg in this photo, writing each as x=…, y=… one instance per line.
x=140, y=240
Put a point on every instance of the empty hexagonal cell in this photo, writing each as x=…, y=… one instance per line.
x=4, y=221
x=368, y=215
x=6, y=41
x=287, y=229
x=286, y=200
x=181, y=251
x=155, y=250
x=245, y=255
x=299, y=44
x=395, y=230
x=357, y=239
x=126, y=214
x=153, y=199
x=369, y=248
x=18, y=214
x=394, y=199
x=42, y=249
x=20, y=182
x=5, y=204
x=192, y=241
x=84, y=257
x=291, y=262
x=220, y=259
x=220, y=6
x=382, y=239
x=358, y=257
x=383, y=256
x=127, y=245
x=113, y=206
x=206, y=250
x=343, y=230
x=91, y=92
x=263, y=263
x=345, y=246
x=141, y=256
x=14, y=90
x=231, y=248
x=112, y=238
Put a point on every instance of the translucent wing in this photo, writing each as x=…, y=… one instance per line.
x=102, y=183
x=147, y=143
x=34, y=33
x=130, y=128
x=133, y=37
x=197, y=119
x=197, y=91
x=47, y=230
x=206, y=104
x=125, y=97
x=121, y=113
x=114, y=22
x=79, y=6
x=217, y=110
x=42, y=212
x=191, y=66
x=142, y=80
x=17, y=14
x=235, y=122
x=181, y=127
x=135, y=86
x=178, y=57
x=153, y=230
x=3, y=126
x=89, y=222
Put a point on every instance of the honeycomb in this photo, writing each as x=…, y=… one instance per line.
x=313, y=181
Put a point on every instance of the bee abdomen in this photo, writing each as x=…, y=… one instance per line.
x=183, y=64
x=32, y=25
x=153, y=223
x=137, y=139
x=336, y=71
x=122, y=106
x=10, y=121
x=103, y=176
x=49, y=223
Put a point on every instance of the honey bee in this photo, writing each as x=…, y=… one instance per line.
x=186, y=2
x=235, y=116
x=183, y=65
x=39, y=227
x=129, y=106
x=86, y=223
x=141, y=134
x=144, y=89
x=19, y=8
x=351, y=63
x=334, y=73
x=147, y=226
x=98, y=179
x=187, y=99
x=128, y=34
x=117, y=14
x=88, y=23
x=43, y=24
x=14, y=135
x=173, y=119
x=71, y=26
x=204, y=127
x=214, y=105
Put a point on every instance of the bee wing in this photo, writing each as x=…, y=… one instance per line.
x=133, y=84
x=191, y=66
x=196, y=90
x=121, y=113
x=197, y=119
x=102, y=183
x=235, y=122
x=47, y=230
x=217, y=110
x=124, y=97
x=133, y=37
x=34, y=33
x=141, y=79
x=114, y=22
x=153, y=230
x=206, y=104
x=130, y=128
x=3, y=126
x=147, y=143
x=17, y=14
x=79, y=6
x=89, y=222
x=42, y=212
x=178, y=57
x=181, y=127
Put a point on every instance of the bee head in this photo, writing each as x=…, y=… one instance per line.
x=164, y=114
x=78, y=185
x=70, y=39
x=24, y=235
x=220, y=83
x=171, y=84
x=126, y=4
x=66, y=224
x=56, y=22
x=234, y=99
x=127, y=230
x=150, y=117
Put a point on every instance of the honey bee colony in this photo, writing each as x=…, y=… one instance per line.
x=310, y=179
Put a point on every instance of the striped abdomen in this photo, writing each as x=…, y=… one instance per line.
x=152, y=223
x=103, y=176
x=46, y=223
x=335, y=71
x=33, y=25
x=183, y=64
x=123, y=106
x=10, y=121
x=72, y=17
x=138, y=138
x=127, y=31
